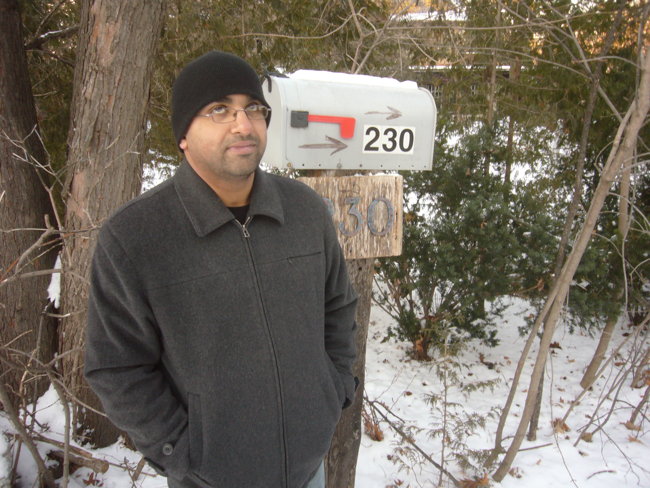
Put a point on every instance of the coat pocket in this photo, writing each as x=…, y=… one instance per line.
x=195, y=432
x=338, y=383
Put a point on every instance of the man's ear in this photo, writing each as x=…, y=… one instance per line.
x=183, y=144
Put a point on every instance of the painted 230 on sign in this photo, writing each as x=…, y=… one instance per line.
x=384, y=139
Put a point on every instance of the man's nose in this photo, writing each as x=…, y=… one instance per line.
x=242, y=123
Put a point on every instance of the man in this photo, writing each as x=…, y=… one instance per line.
x=221, y=317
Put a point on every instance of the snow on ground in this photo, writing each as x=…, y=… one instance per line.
x=617, y=457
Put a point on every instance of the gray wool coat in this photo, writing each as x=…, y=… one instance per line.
x=225, y=351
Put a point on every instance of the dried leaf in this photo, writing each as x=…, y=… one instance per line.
x=372, y=428
x=93, y=480
x=560, y=427
x=420, y=350
x=484, y=481
x=587, y=436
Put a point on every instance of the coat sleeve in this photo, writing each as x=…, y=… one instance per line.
x=340, y=307
x=122, y=362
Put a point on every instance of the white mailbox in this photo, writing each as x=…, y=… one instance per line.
x=323, y=120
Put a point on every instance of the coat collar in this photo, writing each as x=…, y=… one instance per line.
x=207, y=212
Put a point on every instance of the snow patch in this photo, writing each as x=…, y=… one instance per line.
x=54, y=288
x=351, y=79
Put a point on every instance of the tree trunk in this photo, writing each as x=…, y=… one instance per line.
x=507, y=177
x=24, y=202
x=624, y=143
x=640, y=377
x=624, y=200
x=116, y=47
x=608, y=331
x=568, y=226
x=342, y=456
x=639, y=408
x=534, y=420
x=577, y=187
x=491, y=96
x=601, y=349
x=610, y=326
x=584, y=140
x=514, y=76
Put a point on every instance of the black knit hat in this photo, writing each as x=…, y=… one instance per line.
x=207, y=79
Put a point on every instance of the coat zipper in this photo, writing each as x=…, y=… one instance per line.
x=258, y=288
x=244, y=229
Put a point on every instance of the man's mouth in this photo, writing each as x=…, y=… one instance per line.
x=243, y=147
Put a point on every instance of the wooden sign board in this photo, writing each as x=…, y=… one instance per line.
x=366, y=210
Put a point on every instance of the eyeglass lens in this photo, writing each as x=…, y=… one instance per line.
x=229, y=114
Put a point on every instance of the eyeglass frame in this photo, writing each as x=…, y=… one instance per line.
x=262, y=109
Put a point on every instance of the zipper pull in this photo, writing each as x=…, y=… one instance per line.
x=244, y=229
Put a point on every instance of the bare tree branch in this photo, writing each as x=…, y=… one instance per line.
x=43, y=472
x=36, y=44
x=373, y=405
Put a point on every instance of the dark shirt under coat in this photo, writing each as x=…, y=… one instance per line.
x=224, y=351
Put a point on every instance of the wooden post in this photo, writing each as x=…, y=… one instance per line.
x=367, y=212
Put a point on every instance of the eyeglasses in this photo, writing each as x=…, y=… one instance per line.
x=222, y=114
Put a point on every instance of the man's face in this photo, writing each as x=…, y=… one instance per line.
x=225, y=152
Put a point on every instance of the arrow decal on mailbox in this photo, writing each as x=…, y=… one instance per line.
x=301, y=119
x=393, y=114
x=333, y=144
